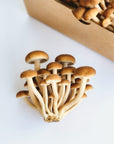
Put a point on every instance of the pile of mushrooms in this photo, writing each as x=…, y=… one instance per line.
x=56, y=89
x=98, y=11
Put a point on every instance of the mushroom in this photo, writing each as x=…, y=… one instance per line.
x=65, y=59
x=62, y=85
x=109, y=13
x=68, y=71
x=79, y=12
x=36, y=57
x=83, y=73
x=91, y=14
x=45, y=96
x=25, y=95
x=54, y=66
x=53, y=79
x=89, y=3
x=29, y=74
x=43, y=73
x=107, y=22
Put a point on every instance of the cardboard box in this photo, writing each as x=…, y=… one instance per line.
x=61, y=18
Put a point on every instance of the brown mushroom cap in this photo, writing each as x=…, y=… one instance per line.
x=43, y=72
x=54, y=65
x=28, y=73
x=76, y=85
x=79, y=12
x=68, y=70
x=91, y=13
x=23, y=93
x=64, y=82
x=43, y=82
x=53, y=78
x=106, y=22
x=85, y=71
x=36, y=55
x=88, y=87
x=65, y=58
x=108, y=12
x=89, y=3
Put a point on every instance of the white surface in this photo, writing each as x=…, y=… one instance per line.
x=92, y=122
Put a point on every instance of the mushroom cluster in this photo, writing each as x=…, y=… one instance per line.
x=56, y=89
x=98, y=11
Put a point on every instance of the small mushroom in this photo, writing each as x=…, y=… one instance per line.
x=89, y=3
x=109, y=13
x=53, y=79
x=79, y=12
x=54, y=67
x=25, y=95
x=65, y=60
x=107, y=22
x=91, y=14
x=29, y=74
x=36, y=57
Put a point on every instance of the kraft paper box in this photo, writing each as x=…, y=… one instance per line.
x=61, y=18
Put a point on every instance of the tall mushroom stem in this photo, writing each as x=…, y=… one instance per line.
x=45, y=98
x=34, y=90
x=54, y=87
x=61, y=95
x=76, y=100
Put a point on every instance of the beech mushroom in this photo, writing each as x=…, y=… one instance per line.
x=84, y=73
x=25, y=95
x=51, y=97
x=91, y=14
x=43, y=73
x=107, y=22
x=53, y=79
x=54, y=67
x=65, y=60
x=79, y=12
x=36, y=57
x=109, y=13
x=29, y=74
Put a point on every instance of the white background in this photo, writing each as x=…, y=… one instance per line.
x=92, y=122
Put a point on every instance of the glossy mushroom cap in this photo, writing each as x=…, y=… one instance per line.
x=64, y=82
x=23, y=93
x=79, y=12
x=54, y=65
x=85, y=71
x=65, y=58
x=91, y=13
x=28, y=74
x=53, y=78
x=68, y=70
x=42, y=72
x=76, y=85
x=106, y=22
x=36, y=55
x=89, y=3
x=108, y=12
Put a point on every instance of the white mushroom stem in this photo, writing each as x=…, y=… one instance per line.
x=65, y=64
x=66, y=94
x=99, y=8
x=37, y=65
x=29, y=103
x=54, y=87
x=73, y=93
x=54, y=71
x=76, y=100
x=34, y=90
x=96, y=20
x=45, y=98
x=51, y=105
x=61, y=95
